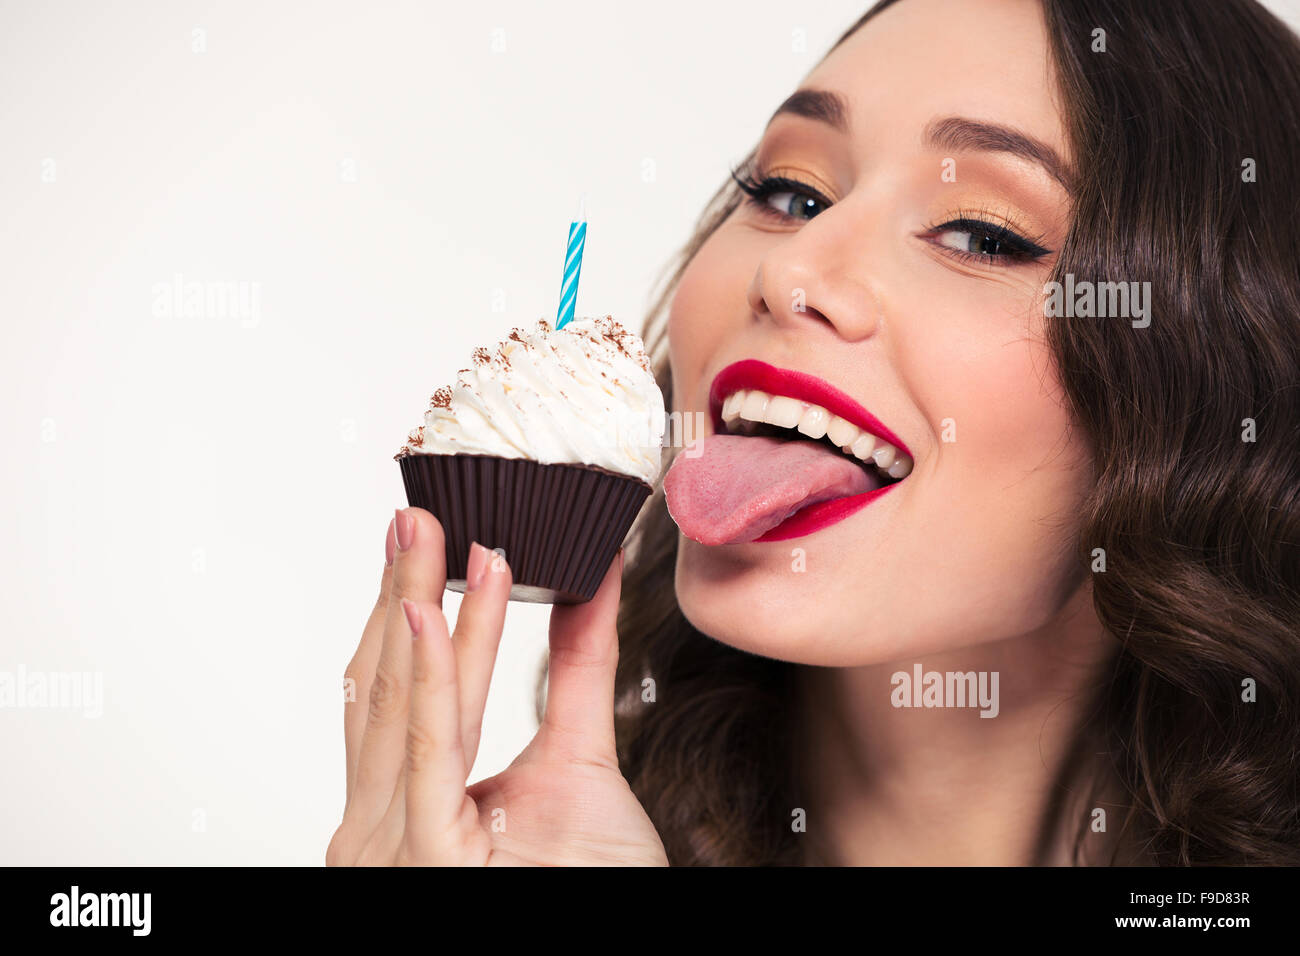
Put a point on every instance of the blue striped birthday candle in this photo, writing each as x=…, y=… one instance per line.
x=572, y=267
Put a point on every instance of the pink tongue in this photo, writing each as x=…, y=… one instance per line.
x=740, y=487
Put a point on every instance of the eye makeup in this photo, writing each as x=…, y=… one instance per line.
x=970, y=235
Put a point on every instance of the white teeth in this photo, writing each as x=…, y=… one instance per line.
x=783, y=411
x=754, y=406
x=863, y=446
x=731, y=407
x=901, y=468
x=843, y=433
x=745, y=409
x=813, y=422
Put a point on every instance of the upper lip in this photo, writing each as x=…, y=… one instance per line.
x=751, y=373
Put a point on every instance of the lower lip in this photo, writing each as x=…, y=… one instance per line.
x=822, y=515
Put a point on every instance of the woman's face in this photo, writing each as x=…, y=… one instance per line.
x=879, y=279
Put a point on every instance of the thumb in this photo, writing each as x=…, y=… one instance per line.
x=580, y=680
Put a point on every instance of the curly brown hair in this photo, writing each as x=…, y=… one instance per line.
x=1201, y=529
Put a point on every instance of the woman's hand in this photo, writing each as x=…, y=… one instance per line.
x=412, y=727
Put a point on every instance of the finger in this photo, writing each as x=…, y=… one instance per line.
x=435, y=759
x=419, y=574
x=381, y=847
x=357, y=676
x=477, y=638
x=580, y=685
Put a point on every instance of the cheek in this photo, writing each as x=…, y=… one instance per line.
x=708, y=301
x=992, y=397
x=1006, y=474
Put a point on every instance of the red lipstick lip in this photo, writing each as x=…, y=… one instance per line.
x=751, y=373
x=821, y=515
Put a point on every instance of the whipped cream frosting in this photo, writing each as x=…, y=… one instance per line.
x=583, y=394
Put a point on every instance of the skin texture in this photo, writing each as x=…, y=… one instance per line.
x=964, y=566
x=967, y=564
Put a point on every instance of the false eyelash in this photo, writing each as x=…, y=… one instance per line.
x=758, y=188
x=985, y=221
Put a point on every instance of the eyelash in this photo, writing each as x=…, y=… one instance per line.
x=1022, y=250
x=760, y=189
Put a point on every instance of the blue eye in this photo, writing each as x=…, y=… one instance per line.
x=794, y=204
x=782, y=197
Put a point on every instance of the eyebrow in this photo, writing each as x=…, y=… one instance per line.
x=821, y=105
x=959, y=133
x=950, y=132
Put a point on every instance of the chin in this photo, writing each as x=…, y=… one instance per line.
x=762, y=608
x=750, y=600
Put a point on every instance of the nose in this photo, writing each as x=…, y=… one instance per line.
x=816, y=276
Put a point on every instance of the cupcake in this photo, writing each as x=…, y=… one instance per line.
x=545, y=449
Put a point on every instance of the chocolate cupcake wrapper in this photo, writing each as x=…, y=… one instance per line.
x=559, y=526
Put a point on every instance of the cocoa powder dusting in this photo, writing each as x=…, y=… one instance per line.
x=615, y=333
x=441, y=398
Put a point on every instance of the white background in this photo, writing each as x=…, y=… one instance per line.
x=194, y=507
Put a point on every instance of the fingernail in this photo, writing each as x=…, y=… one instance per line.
x=390, y=542
x=479, y=557
x=405, y=529
x=412, y=616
